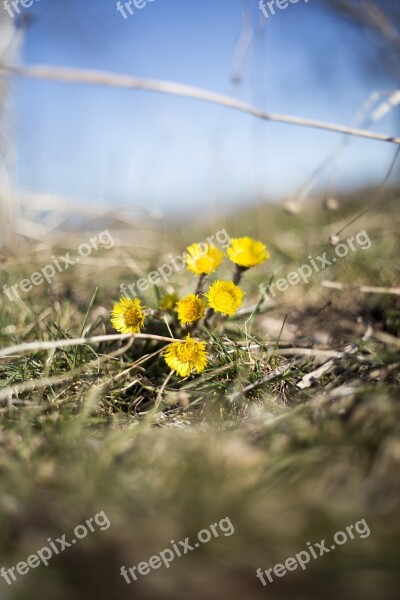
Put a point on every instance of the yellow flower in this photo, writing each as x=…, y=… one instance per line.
x=203, y=259
x=183, y=357
x=190, y=308
x=168, y=301
x=247, y=252
x=127, y=315
x=225, y=297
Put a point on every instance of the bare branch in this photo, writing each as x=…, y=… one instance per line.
x=90, y=77
x=38, y=346
x=367, y=289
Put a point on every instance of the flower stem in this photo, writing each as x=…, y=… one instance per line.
x=200, y=284
x=209, y=314
x=238, y=274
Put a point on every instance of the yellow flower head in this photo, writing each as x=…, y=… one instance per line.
x=127, y=315
x=183, y=357
x=225, y=297
x=190, y=308
x=168, y=301
x=247, y=252
x=203, y=259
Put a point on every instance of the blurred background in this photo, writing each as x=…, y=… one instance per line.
x=287, y=462
x=331, y=60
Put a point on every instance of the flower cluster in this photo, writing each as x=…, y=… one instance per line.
x=223, y=297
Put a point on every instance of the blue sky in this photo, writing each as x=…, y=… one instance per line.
x=128, y=147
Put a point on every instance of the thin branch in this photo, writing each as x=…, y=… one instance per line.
x=310, y=352
x=310, y=378
x=177, y=89
x=162, y=389
x=38, y=346
x=367, y=289
x=30, y=386
x=296, y=351
x=358, y=121
x=276, y=373
x=379, y=195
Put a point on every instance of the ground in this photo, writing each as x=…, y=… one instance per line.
x=291, y=433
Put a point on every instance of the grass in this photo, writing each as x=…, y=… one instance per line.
x=289, y=446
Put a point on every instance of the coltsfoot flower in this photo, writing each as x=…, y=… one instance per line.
x=184, y=357
x=203, y=259
x=225, y=297
x=190, y=308
x=168, y=301
x=247, y=252
x=127, y=315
